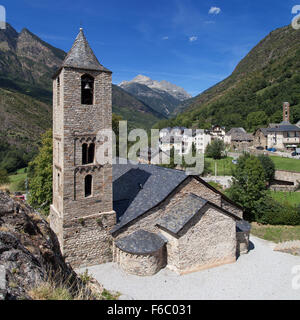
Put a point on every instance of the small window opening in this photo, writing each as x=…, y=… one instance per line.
x=84, y=153
x=88, y=185
x=87, y=89
x=91, y=153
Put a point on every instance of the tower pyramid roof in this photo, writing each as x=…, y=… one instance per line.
x=81, y=56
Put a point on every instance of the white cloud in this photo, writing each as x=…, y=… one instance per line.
x=193, y=38
x=214, y=10
x=165, y=38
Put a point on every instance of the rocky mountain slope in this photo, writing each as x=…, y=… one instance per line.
x=29, y=252
x=175, y=91
x=163, y=96
x=266, y=77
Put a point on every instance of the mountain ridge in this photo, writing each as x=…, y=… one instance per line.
x=266, y=77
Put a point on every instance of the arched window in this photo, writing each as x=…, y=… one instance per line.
x=87, y=89
x=91, y=153
x=84, y=153
x=88, y=180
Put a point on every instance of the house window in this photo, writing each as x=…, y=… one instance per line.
x=87, y=89
x=88, y=180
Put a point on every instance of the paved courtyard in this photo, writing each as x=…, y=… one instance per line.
x=261, y=274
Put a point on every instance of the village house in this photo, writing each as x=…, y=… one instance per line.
x=182, y=139
x=217, y=132
x=142, y=217
x=238, y=139
x=281, y=136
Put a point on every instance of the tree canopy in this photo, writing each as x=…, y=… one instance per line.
x=40, y=175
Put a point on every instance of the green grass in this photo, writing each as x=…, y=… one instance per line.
x=286, y=163
x=275, y=233
x=216, y=185
x=292, y=198
x=16, y=180
x=224, y=166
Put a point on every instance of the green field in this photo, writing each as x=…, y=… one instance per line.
x=275, y=233
x=17, y=180
x=292, y=198
x=224, y=166
x=286, y=163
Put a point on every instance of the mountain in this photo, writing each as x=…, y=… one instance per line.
x=137, y=113
x=175, y=91
x=164, y=97
x=27, y=64
x=262, y=81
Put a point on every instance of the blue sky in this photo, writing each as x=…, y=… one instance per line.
x=192, y=43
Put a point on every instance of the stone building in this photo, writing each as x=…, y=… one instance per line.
x=239, y=139
x=260, y=138
x=82, y=211
x=217, y=132
x=143, y=217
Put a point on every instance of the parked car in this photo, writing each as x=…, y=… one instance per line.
x=260, y=148
x=272, y=149
x=294, y=153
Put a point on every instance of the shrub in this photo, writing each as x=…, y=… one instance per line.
x=4, y=177
x=215, y=149
x=268, y=165
x=274, y=213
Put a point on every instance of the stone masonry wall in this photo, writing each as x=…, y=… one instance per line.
x=242, y=239
x=87, y=240
x=141, y=264
x=208, y=240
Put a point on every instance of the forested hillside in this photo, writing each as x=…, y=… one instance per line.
x=253, y=95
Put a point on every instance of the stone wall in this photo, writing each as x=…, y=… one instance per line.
x=148, y=220
x=242, y=239
x=141, y=264
x=290, y=176
x=209, y=239
x=87, y=240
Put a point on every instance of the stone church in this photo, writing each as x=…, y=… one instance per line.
x=141, y=216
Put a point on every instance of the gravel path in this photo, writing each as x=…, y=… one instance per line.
x=261, y=274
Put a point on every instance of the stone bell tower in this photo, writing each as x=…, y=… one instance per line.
x=82, y=211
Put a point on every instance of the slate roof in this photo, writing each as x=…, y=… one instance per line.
x=81, y=56
x=284, y=126
x=264, y=131
x=239, y=134
x=138, y=188
x=140, y=242
x=178, y=216
x=243, y=226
